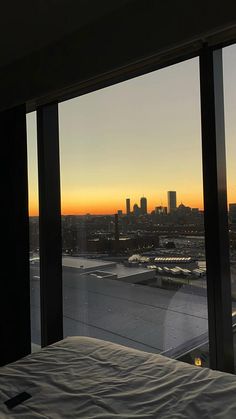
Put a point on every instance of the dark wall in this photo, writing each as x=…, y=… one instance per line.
x=15, y=338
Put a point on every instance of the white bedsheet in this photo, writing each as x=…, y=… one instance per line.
x=83, y=377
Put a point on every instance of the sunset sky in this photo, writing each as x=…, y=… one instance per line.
x=138, y=138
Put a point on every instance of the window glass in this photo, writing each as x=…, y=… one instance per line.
x=33, y=231
x=134, y=268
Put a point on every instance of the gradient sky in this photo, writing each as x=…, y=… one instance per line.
x=139, y=137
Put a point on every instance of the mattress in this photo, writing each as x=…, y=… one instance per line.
x=82, y=377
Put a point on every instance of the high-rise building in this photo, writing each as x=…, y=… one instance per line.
x=117, y=233
x=160, y=210
x=171, y=201
x=136, y=210
x=232, y=213
x=128, y=206
x=143, y=205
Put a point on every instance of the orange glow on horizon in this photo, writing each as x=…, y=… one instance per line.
x=33, y=209
x=101, y=206
x=112, y=208
x=108, y=208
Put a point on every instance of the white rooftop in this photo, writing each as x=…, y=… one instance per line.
x=85, y=264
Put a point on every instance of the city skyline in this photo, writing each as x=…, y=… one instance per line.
x=140, y=135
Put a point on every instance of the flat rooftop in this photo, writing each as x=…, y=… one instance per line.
x=134, y=274
x=150, y=319
x=85, y=264
x=82, y=265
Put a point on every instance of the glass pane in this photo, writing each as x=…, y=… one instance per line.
x=34, y=231
x=134, y=267
x=229, y=62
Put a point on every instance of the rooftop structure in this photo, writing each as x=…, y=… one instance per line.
x=101, y=268
x=173, y=259
x=85, y=265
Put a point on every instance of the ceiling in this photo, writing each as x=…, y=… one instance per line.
x=29, y=25
x=53, y=50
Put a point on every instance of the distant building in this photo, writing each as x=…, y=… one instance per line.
x=182, y=209
x=171, y=201
x=160, y=210
x=128, y=206
x=136, y=210
x=119, y=212
x=143, y=205
x=232, y=213
x=117, y=233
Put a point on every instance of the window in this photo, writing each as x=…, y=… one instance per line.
x=134, y=267
x=34, y=231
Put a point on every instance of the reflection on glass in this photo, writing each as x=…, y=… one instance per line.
x=229, y=63
x=33, y=232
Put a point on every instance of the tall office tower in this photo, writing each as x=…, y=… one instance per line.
x=143, y=205
x=117, y=233
x=136, y=210
x=128, y=206
x=171, y=199
x=232, y=213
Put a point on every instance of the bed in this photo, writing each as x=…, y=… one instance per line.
x=82, y=377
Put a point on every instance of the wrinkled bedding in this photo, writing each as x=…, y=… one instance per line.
x=81, y=377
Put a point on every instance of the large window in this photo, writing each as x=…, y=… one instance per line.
x=34, y=231
x=134, y=267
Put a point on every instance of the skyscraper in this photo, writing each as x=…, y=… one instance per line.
x=128, y=206
x=171, y=199
x=117, y=233
x=136, y=210
x=143, y=205
x=232, y=213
